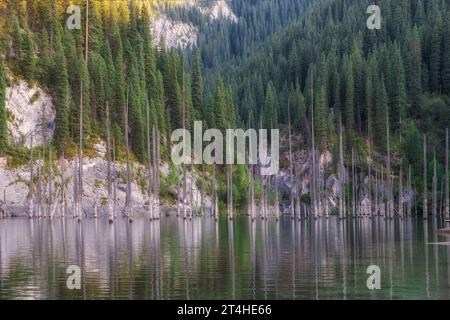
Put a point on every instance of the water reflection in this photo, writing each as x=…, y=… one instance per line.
x=203, y=259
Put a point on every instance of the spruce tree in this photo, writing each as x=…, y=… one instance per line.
x=414, y=69
x=381, y=107
x=197, y=85
x=446, y=57
x=320, y=118
x=349, y=98
x=61, y=95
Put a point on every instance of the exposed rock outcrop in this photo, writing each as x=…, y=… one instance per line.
x=30, y=112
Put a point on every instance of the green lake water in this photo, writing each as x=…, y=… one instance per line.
x=203, y=259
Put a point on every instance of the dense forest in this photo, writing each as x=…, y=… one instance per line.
x=312, y=65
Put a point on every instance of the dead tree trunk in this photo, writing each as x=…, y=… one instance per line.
x=369, y=182
x=75, y=187
x=31, y=188
x=215, y=198
x=114, y=179
x=80, y=167
x=149, y=190
x=277, y=201
x=50, y=183
x=108, y=156
x=425, y=187
x=341, y=173
x=400, y=191
x=447, y=204
x=127, y=210
x=410, y=191
x=353, y=185
x=390, y=195
x=434, y=188
x=63, y=194
x=291, y=161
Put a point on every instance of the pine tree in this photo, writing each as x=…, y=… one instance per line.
x=414, y=69
x=435, y=49
x=349, y=98
x=446, y=58
x=320, y=118
x=61, y=94
x=197, y=85
x=397, y=89
x=381, y=107
x=271, y=107
x=27, y=57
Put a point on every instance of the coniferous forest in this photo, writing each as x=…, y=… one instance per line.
x=363, y=114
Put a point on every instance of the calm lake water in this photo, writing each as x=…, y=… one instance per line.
x=202, y=259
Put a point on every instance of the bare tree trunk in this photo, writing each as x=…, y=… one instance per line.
x=202, y=192
x=341, y=173
x=157, y=176
x=425, y=187
x=39, y=191
x=230, y=191
x=353, y=185
x=63, y=194
x=50, y=183
x=80, y=168
x=400, y=191
x=369, y=176
x=447, y=204
x=150, y=205
x=127, y=209
x=252, y=193
x=382, y=195
x=434, y=187
x=313, y=181
x=114, y=180
x=108, y=156
x=75, y=187
x=31, y=209
x=277, y=201
x=291, y=160
x=215, y=199
x=410, y=198
x=390, y=197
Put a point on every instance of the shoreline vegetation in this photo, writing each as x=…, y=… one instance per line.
x=356, y=107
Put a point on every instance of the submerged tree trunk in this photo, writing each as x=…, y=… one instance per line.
x=410, y=198
x=277, y=202
x=114, y=179
x=108, y=155
x=75, y=187
x=127, y=210
x=425, y=187
x=155, y=135
x=447, y=208
x=291, y=161
x=80, y=167
x=149, y=161
x=215, y=198
x=434, y=188
x=50, y=184
x=63, y=193
x=390, y=194
x=31, y=208
x=400, y=191
x=341, y=173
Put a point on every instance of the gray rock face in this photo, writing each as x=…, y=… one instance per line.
x=14, y=186
x=30, y=113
